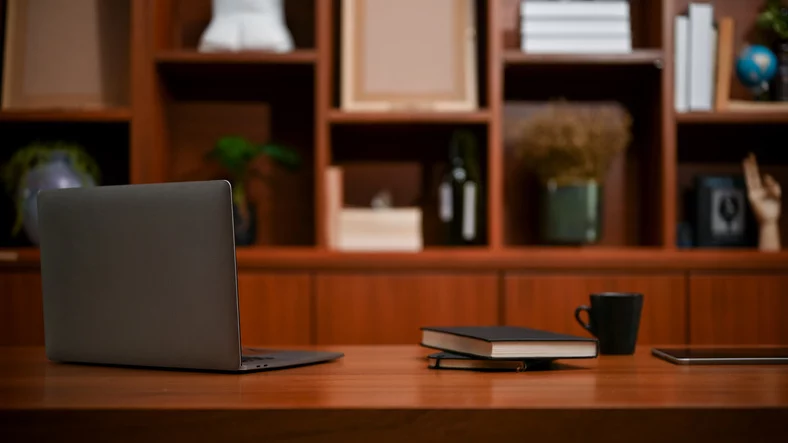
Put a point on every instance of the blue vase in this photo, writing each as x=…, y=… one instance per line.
x=58, y=173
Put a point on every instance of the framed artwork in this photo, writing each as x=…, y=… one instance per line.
x=66, y=54
x=408, y=55
x=723, y=214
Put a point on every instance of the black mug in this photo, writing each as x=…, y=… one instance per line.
x=614, y=319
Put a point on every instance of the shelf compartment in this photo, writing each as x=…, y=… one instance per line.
x=106, y=141
x=338, y=116
x=637, y=57
x=409, y=160
x=299, y=56
x=65, y=115
x=632, y=195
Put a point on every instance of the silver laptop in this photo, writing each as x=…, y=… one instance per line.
x=145, y=275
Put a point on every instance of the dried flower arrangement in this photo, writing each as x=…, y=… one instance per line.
x=570, y=142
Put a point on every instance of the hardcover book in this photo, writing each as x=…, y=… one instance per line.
x=508, y=342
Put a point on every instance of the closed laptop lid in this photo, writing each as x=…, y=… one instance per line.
x=140, y=275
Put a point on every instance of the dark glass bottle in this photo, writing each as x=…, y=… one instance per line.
x=460, y=192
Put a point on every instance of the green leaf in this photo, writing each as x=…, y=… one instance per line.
x=284, y=156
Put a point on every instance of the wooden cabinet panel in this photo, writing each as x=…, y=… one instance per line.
x=549, y=302
x=738, y=309
x=21, y=308
x=275, y=308
x=390, y=308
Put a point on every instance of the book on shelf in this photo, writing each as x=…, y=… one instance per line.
x=703, y=59
x=508, y=342
x=575, y=27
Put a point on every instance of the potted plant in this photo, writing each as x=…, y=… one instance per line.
x=41, y=166
x=773, y=20
x=571, y=146
x=236, y=155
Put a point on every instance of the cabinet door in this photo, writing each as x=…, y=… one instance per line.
x=738, y=309
x=275, y=308
x=390, y=308
x=549, y=302
x=21, y=308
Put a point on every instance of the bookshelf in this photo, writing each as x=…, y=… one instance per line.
x=182, y=100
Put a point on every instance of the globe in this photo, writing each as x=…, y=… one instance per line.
x=755, y=66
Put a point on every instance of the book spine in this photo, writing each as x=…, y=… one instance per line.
x=577, y=46
x=681, y=65
x=568, y=28
x=576, y=9
x=700, y=66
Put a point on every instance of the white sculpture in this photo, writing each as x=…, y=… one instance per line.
x=247, y=25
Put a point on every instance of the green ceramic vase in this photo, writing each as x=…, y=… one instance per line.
x=571, y=213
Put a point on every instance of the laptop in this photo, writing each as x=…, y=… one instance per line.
x=145, y=275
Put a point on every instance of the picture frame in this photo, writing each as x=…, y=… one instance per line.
x=66, y=55
x=723, y=217
x=433, y=69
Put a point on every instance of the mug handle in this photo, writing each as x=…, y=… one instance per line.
x=585, y=325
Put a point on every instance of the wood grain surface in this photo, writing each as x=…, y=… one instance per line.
x=390, y=308
x=21, y=308
x=387, y=393
x=275, y=308
x=738, y=309
x=549, y=302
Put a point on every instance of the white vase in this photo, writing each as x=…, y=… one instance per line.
x=247, y=25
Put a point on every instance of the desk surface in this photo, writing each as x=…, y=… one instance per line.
x=395, y=380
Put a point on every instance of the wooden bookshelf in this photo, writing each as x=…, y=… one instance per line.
x=182, y=100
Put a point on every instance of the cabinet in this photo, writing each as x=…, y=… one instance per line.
x=21, y=308
x=275, y=308
x=738, y=309
x=549, y=301
x=389, y=308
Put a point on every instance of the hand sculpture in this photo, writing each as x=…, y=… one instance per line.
x=237, y=25
x=764, y=198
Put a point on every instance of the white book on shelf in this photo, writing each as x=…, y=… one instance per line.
x=681, y=64
x=609, y=9
x=577, y=45
x=700, y=62
x=575, y=28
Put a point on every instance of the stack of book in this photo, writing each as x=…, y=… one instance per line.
x=502, y=347
x=696, y=40
x=575, y=26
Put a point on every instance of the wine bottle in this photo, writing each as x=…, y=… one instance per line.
x=460, y=192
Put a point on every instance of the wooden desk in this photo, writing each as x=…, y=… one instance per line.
x=379, y=394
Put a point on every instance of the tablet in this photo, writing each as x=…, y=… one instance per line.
x=710, y=356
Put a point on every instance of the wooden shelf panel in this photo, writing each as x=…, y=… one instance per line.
x=299, y=56
x=512, y=259
x=66, y=115
x=637, y=57
x=732, y=117
x=337, y=116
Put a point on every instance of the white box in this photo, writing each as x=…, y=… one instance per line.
x=392, y=229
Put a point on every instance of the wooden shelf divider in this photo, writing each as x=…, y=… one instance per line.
x=636, y=57
x=66, y=115
x=337, y=116
x=732, y=117
x=299, y=56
